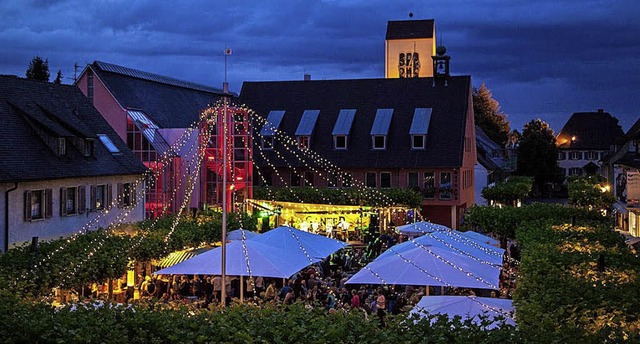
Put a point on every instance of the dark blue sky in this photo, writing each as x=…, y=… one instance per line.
x=541, y=59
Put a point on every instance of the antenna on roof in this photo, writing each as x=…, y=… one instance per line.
x=225, y=85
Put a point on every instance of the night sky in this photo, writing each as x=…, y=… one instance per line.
x=541, y=59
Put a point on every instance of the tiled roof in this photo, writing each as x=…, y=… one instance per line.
x=445, y=140
x=170, y=103
x=409, y=29
x=31, y=110
x=592, y=130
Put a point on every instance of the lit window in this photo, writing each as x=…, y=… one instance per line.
x=429, y=184
x=100, y=197
x=37, y=204
x=303, y=142
x=126, y=195
x=68, y=201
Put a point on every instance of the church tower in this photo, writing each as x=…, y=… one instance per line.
x=409, y=46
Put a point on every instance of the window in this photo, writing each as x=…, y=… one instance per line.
x=267, y=142
x=68, y=201
x=100, y=197
x=385, y=179
x=90, y=86
x=347, y=179
x=295, y=179
x=307, y=122
x=308, y=178
x=417, y=141
x=575, y=155
x=332, y=180
x=88, y=147
x=37, y=204
x=445, y=185
x=340, y=142
x=562, y=155
x=591, y=155
x=126, y=195
x=371, y=180
x=62, y=146
x=575, y=171
x=412, y=180
x=429, y=184
x=379, y=142
x=106, y=141
x=303, y=142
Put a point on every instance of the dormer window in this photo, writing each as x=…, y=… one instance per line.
x=303, y=142
x=417, y=141
x=305, y=128
x=62, y=146
x=420, y=128
x=270, y=127
x=342, y=128
x=340, y=142
x=380, y=128
x=379, y=142
x=88, y=147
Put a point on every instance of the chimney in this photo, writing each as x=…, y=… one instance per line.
x=307, y=76
x=600, y=111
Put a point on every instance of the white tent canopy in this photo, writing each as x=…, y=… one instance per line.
x=428, y=265
x=238, y=234
x=295, y=241
x=417, y=229
x=482, y=238
x=467, y=307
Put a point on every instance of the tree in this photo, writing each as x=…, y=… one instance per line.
x=38, y=69
x=591, y=192
x=488, y=116
x=537, y=154
x=509, y=192
x=58, y=79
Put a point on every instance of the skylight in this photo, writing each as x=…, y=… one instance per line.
x=106, y=141
x=273, y=123
x=307, y=122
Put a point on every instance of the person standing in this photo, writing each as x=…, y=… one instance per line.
x=355, y=299
x=381, y=304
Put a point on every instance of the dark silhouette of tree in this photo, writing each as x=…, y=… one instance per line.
x=489, y=117
x=58, y=79
x=38, y=69
x=537, y=154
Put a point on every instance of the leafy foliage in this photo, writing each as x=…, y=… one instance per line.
x=352, y=196
x=488, y=116
x=38, y=69
x=510, y=191
x=537, y=154
x=103, y=254
x=590, y=192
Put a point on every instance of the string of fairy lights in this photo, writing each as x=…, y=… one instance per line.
x=505, y=314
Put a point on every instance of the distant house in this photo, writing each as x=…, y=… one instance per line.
x=584, y=140
x=154, y=114
x=622, y=169
x=385, y=133
x=64, y=169
x=495, y=163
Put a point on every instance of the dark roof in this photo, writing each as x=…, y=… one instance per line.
x=171, y=103
x=592, y=130
x=445, y=137
x=632, y=134
x=409, y=29
x=630, y=159
x=32, y=111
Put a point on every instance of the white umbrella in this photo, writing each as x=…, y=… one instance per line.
x=239, y=233
x=294, y=241
x=428, y=265
x=420, y=228
x=466, y=307
x=244, y=258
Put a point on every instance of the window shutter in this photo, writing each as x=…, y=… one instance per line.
x=92, y=198
x=82, y=199
x=109, y=196
x=119, y=195
x=48, y=202
x=27, y=205
x=63, y=201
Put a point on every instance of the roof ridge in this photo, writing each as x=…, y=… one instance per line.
x=139, y=74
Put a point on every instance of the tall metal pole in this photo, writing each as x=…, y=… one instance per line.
x=223, y=292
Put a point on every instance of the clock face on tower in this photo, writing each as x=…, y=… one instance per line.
x=409, y=65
